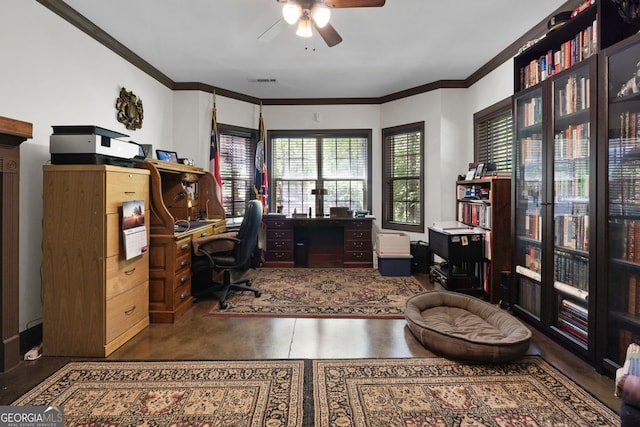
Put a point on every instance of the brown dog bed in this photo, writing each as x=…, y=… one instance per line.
x=463, y=327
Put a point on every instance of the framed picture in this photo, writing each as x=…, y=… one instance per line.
x=471, y=174
x=148, y=150
x=479, y=171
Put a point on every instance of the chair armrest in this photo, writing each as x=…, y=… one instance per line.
x=223, y=242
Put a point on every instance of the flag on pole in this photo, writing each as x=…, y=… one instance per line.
x=260, y=177
x=214, y=153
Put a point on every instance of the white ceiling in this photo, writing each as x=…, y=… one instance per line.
x=402, y=45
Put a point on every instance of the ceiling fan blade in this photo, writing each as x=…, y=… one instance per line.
x=354, y=3
x=273, y=31
x=328, y=34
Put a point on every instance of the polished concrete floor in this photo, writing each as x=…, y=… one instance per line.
x=196, y=337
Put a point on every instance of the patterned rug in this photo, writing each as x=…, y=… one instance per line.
x=229, y=393
x=438, y=392
x=322, y=292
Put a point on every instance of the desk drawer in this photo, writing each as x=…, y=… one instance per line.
x=183, y=246
x=358, y=256
x=123, y=275
x=280, y=245
x=278, y=223
x=278, y=256
x=358, y=245
x=357, y=234
x=280, y=235
x=183, y=291
x=125, y=310
x=356, y=224
x=183, y=262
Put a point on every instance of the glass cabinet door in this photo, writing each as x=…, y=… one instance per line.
x=528, y=181
x=623, y=204
x=571, y=174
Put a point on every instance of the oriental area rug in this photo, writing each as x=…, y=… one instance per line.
x=322, y=292
x=224, y=393
x=352, y=392
x=440, y=392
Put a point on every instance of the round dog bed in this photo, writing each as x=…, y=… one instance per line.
x=463, y=327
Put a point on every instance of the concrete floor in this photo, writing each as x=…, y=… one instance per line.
x=196, y=337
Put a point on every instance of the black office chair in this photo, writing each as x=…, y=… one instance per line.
x=227, y=252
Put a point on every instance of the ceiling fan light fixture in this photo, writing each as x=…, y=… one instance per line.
x=321, y=15
x=304, y=27
x=291, y=12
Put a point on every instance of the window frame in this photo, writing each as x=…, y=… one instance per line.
x=240, y=132
x=491, y=113
x=319, y=134
x=387, y=196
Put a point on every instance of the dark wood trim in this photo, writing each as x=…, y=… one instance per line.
x=12, y=133
x=82, y=23
x=69, y=14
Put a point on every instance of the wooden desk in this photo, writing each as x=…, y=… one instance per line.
x=170, y=247
x=318, y=242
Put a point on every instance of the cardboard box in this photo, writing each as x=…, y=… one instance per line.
x=391, y=244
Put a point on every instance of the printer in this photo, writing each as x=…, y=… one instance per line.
x=92, y=145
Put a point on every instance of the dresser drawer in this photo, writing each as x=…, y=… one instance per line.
x=123, y=275
x=124, y=186
x=125, y=310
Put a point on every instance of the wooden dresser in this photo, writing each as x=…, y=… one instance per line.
x=179, y=193
x=318, y=242
x=94, y=298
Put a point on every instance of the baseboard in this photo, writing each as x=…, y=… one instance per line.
x=30, y=338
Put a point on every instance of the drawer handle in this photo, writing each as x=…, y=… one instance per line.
x=184, y=246
x=184, y=262
x=184, y=278
x=358, y=255
x=279, y=255
x=130, y=311
x=203, y=234
x=130, y=272
x=184, y=295
x=358, y=245
x=129, y=193
x=358, y=235
x=279, y=245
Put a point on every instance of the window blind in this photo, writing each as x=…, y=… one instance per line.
x=494, y=136
x=402, y=174
x=237, y=152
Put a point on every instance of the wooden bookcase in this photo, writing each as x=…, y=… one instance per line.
x=557, y=258
x=486, y=203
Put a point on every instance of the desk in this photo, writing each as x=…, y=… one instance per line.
x=318, y=242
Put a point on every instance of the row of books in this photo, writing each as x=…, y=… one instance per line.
x=574, y=96
x=572, y=142
x=529, y=295
x=629, y=125
x=477, y=214
x=624, y=235
x=533, y=225
x=573, y=318
x=572, y=270
x=569, y=53
x=567, y=189
x=473, y=192
x=530, y=112
x=532, y=257
x=531, y=149
x=633, y=294
x=572, y=231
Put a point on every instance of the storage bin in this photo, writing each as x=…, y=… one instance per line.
x=394, y=266
x=392, y=244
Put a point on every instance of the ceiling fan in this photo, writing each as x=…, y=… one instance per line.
x=316, y=14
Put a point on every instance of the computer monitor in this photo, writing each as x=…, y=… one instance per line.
x=167, y=156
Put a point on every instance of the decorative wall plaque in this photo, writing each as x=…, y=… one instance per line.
x=130, y=112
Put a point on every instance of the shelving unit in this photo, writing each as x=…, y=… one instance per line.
x=557, y=181
x=620, y=298
x=485, y=203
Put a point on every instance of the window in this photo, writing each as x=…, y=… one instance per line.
x=402, y=174
x=493, y=139
x=314, y=171
x=237, y=152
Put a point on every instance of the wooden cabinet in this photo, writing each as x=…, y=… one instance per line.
x=618, y=292
x=486, y=203
x=94, y=298
x=318, y=242
x=184, y=205
x=558, y=258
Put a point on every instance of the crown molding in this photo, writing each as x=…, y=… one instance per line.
x=69, y=14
